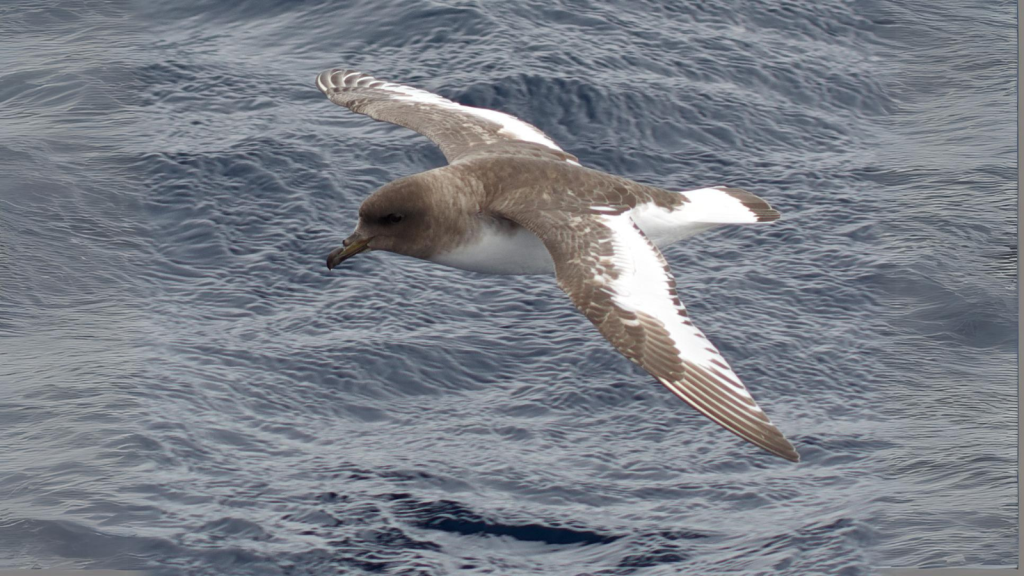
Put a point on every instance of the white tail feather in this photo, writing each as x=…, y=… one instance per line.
x=704, y=208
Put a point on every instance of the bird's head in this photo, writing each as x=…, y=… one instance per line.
x=400, y=217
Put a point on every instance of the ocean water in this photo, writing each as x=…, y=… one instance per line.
x=185, y=387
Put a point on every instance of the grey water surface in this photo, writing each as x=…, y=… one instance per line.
x=185, y=388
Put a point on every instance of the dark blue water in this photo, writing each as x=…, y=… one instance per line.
x=185, y=387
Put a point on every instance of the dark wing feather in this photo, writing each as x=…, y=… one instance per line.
x=460, y=131
x=621, y=282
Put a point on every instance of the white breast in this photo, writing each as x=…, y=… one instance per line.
x=500, y=250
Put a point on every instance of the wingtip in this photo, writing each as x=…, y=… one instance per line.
x=775, y=443
x=779, y=446
x=323, y=80
x=792, y=456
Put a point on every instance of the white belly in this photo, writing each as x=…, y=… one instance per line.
x=498, y=250
x=501, y=251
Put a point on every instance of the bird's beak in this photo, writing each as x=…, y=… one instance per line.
x=351, y=247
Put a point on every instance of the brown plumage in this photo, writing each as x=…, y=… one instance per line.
x=512, y=201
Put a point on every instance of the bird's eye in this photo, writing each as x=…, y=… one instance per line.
x=391, y=219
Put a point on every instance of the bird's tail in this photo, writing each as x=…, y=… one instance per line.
x=721, y=205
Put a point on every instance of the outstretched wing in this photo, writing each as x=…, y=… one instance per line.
x=460, y=131
x=621, y=282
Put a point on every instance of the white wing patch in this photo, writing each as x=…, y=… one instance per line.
x=511, y=127
x=643, y=285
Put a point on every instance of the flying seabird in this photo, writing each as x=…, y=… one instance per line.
x=510, y=201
